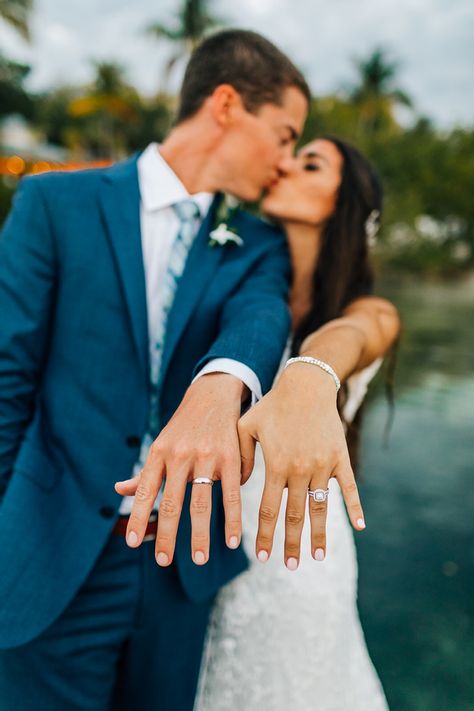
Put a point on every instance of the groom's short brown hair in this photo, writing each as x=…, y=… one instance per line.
x=257, y=69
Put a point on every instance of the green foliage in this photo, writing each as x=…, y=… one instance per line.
x=105, y=119
x=13, y=96
x=425, y=173
x=17, y=13
x=193, y=20
x=377, y=75
x=428, y=222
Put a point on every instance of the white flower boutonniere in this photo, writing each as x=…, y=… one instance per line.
x=223, y=231
x=222, y=234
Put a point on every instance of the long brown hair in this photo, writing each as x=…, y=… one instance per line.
x=343, y=271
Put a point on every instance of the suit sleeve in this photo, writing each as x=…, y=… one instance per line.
x=27, y=282
x=255, y=320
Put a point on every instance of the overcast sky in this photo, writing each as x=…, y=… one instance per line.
x=432, y=39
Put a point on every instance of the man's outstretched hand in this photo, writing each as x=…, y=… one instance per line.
x=200, y=440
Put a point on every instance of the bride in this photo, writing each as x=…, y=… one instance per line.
x=279, y=639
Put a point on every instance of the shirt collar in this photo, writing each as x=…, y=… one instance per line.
x=160, y=186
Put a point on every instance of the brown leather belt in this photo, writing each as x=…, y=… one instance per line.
x=120, y=528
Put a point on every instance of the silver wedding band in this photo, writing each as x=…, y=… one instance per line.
x=319, y=494
x=203, y=480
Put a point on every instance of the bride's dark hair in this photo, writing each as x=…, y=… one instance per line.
x=343, y=271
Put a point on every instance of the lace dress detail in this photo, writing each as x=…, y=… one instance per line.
x=279, y=639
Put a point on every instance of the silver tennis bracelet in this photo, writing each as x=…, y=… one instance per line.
x=320, y=363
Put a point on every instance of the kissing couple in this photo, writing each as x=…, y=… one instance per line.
x=145, y=315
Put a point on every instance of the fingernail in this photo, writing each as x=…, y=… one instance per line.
x=291, y=563
x=162, y=559
x=132, y=538
x=262, y=556
x=233, y=542
x=361, y=523
x=199, y=558
x=319, y=554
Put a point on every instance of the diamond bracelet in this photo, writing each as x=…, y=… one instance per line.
x=320, y=363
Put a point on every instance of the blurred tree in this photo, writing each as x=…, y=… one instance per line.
x=375, y=94
x=332, y=115
x=13, y=96
x=192, y=22
x=17, y=14
x=106, y=110
x=425, y=173
x=104, y=119
x=53, y=119
x=14, y=99
x=428, y=175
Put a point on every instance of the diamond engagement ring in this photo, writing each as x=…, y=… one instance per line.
x=203, y=480
x=319, y=494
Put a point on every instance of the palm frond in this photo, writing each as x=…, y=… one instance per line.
x=162, y=31
x=17, y=14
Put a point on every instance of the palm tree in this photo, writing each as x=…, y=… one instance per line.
x=16, y=13
x=376, y=74
x=107, y=108
x=192, y=22
x=13, y=97
x=375, y=93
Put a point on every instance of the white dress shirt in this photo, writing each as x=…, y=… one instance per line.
x=160, y=188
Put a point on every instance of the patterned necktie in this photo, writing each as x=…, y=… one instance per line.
x=187, y=212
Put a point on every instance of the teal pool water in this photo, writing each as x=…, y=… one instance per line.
x=416, y=557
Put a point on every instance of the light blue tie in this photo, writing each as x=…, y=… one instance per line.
x=187, y=212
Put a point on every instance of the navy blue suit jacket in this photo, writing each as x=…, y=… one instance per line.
x=74, y=376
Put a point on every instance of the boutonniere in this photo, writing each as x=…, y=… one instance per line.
x=223, y=231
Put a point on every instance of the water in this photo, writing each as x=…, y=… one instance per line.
x=416, y=557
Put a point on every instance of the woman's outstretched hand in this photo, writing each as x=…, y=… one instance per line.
x=302, y=437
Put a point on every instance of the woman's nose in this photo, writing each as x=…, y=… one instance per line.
x=287, y=165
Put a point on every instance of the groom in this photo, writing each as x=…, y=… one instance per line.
x=110, y=294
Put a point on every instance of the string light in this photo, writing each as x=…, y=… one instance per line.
x=15, y=166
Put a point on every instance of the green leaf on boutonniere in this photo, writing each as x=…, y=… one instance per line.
x=223, y=231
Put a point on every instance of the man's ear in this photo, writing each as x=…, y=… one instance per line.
x=225, y=104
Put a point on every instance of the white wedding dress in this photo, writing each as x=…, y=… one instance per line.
x=280, y=640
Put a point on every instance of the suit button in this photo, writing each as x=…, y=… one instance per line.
x=107, y=512
x=133, y=441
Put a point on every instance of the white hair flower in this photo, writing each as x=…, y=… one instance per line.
x=371, y=226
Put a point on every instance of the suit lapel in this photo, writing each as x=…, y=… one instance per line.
x=202, y=261
x=120, y=204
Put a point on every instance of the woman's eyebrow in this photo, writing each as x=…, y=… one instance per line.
x=314, y=154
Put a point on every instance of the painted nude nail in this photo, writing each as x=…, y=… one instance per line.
x=291, y=563
x=233, y=542
x=199, y=558
x=262, y=556
x=319, y=554
x=162, y=559
x=132, y=538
